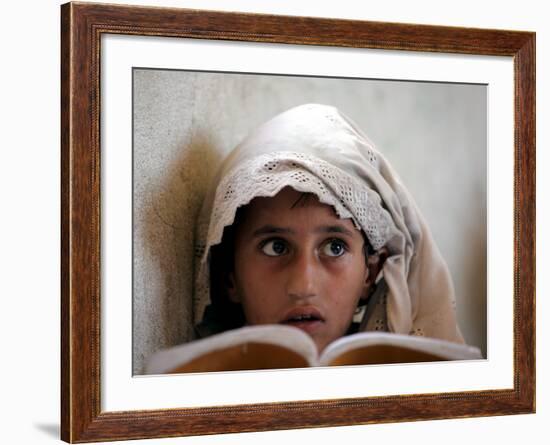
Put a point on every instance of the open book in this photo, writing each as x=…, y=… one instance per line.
x=278, y=346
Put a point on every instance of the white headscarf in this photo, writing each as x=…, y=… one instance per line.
x=315, y=148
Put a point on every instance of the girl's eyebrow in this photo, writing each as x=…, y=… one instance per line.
x=270, y=229
x=334, y=229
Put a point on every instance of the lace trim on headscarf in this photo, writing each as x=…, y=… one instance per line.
x=267, y=174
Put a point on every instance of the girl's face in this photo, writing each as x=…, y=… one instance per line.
x=297, y=263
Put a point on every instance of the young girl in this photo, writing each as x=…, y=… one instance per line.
x=308, y=225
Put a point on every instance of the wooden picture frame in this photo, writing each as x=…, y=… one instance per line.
x=82, y=26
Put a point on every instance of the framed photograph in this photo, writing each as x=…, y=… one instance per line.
x=154, y=99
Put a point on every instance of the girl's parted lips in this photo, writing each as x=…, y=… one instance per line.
x=303, y=314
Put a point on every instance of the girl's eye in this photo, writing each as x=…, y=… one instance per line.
x=274, y=247
x=334, y=248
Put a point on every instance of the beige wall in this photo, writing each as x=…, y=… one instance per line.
x=185, y=122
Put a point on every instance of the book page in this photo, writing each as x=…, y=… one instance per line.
x=377, y=348
x=248, y=348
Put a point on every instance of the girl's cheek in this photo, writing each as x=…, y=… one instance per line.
x=340, y=265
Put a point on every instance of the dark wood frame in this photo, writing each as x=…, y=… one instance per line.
x=81, y=28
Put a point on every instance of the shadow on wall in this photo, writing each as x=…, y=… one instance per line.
x=476, y=277
x=164, y=305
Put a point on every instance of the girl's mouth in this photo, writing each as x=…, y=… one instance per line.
x=307, y=319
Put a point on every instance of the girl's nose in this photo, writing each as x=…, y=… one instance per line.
x=303, y=277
